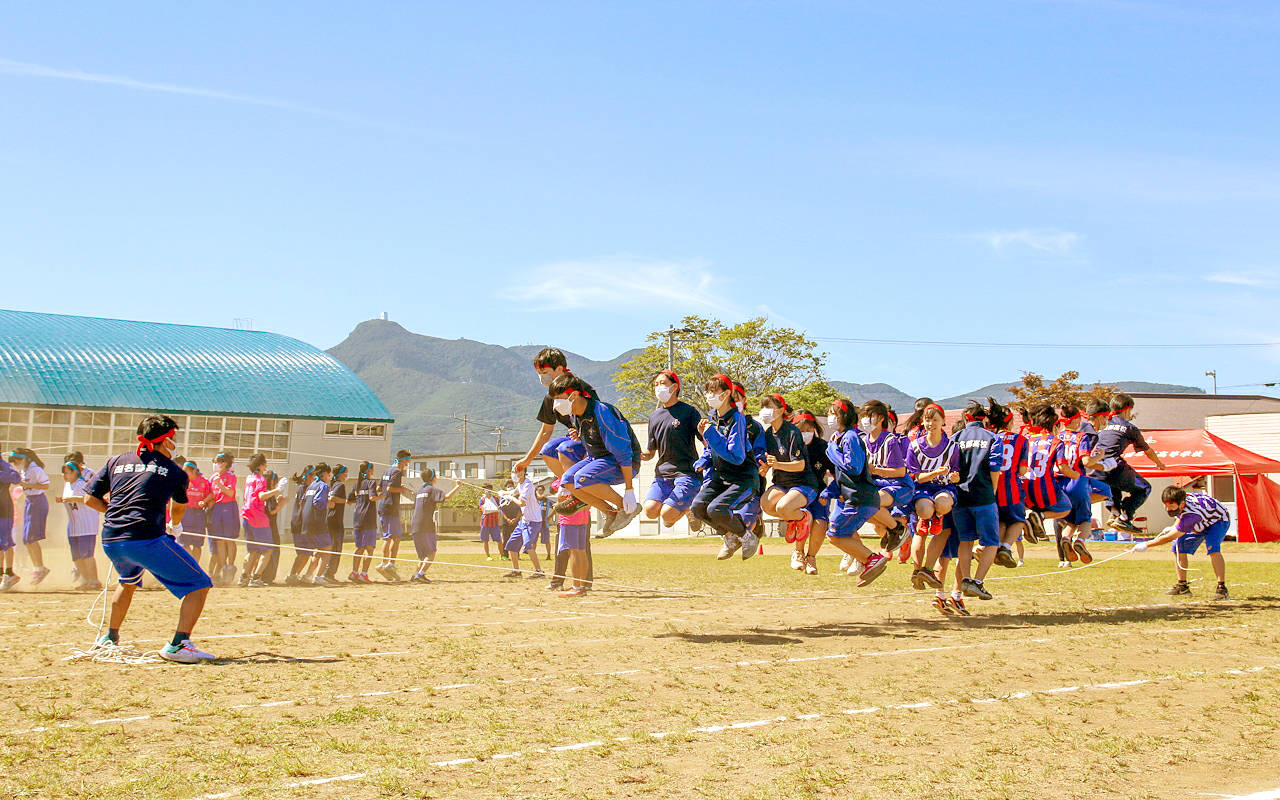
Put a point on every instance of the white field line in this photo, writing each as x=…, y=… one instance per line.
x=298, y=701
x=781, y=720
x=1272, y=794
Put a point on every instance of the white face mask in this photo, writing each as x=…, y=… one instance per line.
x=833, y=422
x=663, y=393
x=865, y=423
x=546, y=378
x=766, y=416
x=741, y=405
x=714, y=401
x=807, y=436
x=563, y=406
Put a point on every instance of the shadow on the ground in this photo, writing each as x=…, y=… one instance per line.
x=906, y=627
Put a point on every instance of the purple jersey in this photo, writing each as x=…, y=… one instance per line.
x=886, y=451
x=923, y=457
x=1202, y=512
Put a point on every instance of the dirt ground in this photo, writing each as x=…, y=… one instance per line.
x=742, y=680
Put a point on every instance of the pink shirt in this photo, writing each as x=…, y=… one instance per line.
x=198, y=489
x=228, y=481
x=255, y=508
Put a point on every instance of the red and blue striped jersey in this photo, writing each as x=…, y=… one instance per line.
x=1015, y=451
x=1045, y=452
x=1075, y=446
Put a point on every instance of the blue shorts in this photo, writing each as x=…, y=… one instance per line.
x=1212, y=537
x=977, y=523
x=1081, y=506
x=847, y=520
x=1099, y=487
x=820, y=508
x=525, y=536
x=952, y=548
x=565, y=447
x=491, y=534
x=810, y=493
x=928, y=491
x=677, y=492
x=224, y=521
x=572, y=537
x=390, y=527
x=162, y=557
x=82, y=546
x=6, y=533
x=593, y=472
x=902, y=490
x=365, y=538
x=1013, y=514
x=1062, y=503
x=195, y=524
x=256, y=540
x=424, y=543
x=304, y=544
x=35, y=518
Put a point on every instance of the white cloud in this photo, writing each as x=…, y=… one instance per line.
x=1253, y=278
x=1053, y=242
x=621, y=282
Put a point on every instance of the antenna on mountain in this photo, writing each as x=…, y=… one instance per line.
x=384, y=316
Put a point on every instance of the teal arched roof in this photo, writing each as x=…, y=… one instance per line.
x=86, y=362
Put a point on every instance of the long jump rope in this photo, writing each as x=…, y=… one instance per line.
x=104, y=651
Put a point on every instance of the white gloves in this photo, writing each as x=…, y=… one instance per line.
x=628, y=501
x=1140, y=546
x=173, y=529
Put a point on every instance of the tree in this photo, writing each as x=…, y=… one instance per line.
x=762, y=357
x=1035, y=392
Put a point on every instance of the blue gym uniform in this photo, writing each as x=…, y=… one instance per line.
x=824, y=471
x=364, y=518
x=8, y=476
x=560, y=446
x=133, y=529
x=315, y=525
x=887, y=451
x=610, y=444
x=734, y=479
x=389, y=505
x=423, y=524
x=859, y=498
x=673, y=433
x=1203, y=520
x=975, y=516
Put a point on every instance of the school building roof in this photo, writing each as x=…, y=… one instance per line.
x=87, y=362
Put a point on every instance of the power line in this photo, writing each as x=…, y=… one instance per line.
x=1045, y=345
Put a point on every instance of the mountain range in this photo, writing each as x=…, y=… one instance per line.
x=430, y=384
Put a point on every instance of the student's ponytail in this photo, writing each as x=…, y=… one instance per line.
x=917, y=417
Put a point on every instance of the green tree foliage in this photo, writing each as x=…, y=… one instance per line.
x=1035, y=391
x=762, y=357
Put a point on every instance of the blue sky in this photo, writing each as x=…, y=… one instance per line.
x=1081, y=171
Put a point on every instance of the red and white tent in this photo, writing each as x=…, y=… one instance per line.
x=1191, y=453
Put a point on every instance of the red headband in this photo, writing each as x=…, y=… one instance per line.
x=1115, y=411
x=739, y=389
x=808, y=417
x=1070, y=419
x=782, y=401
x=937, y=408
x=150, y=444
x=672, y=375
x=723, y=379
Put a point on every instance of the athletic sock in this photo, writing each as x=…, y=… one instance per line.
x=941, y=595
x=179, y=638
x=114, y=635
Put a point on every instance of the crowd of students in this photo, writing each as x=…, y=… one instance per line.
x=967, y=496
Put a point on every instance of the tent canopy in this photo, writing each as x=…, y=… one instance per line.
x=1198, y=452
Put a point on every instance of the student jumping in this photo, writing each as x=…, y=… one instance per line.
x=673, y=437
x=733, y=476
x=1129, y=489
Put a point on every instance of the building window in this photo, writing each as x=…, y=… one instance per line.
x=504, y=466
x=354, y=430
x=472, y=471
x=446, y=468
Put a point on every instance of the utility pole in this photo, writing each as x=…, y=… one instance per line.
x=498, y=432
x=1214, y=374
x=671, y=332
x=464, y=420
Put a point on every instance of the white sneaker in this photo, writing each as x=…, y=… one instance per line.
x=185, y=653
x=8, y=582
x=750, y=545
x=1021, y=563
x=855, y=567
x=810, y=565
x=1063, y=564
x=846, y=562
x=38, y=574
x=730, y=546
x=797, y=560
